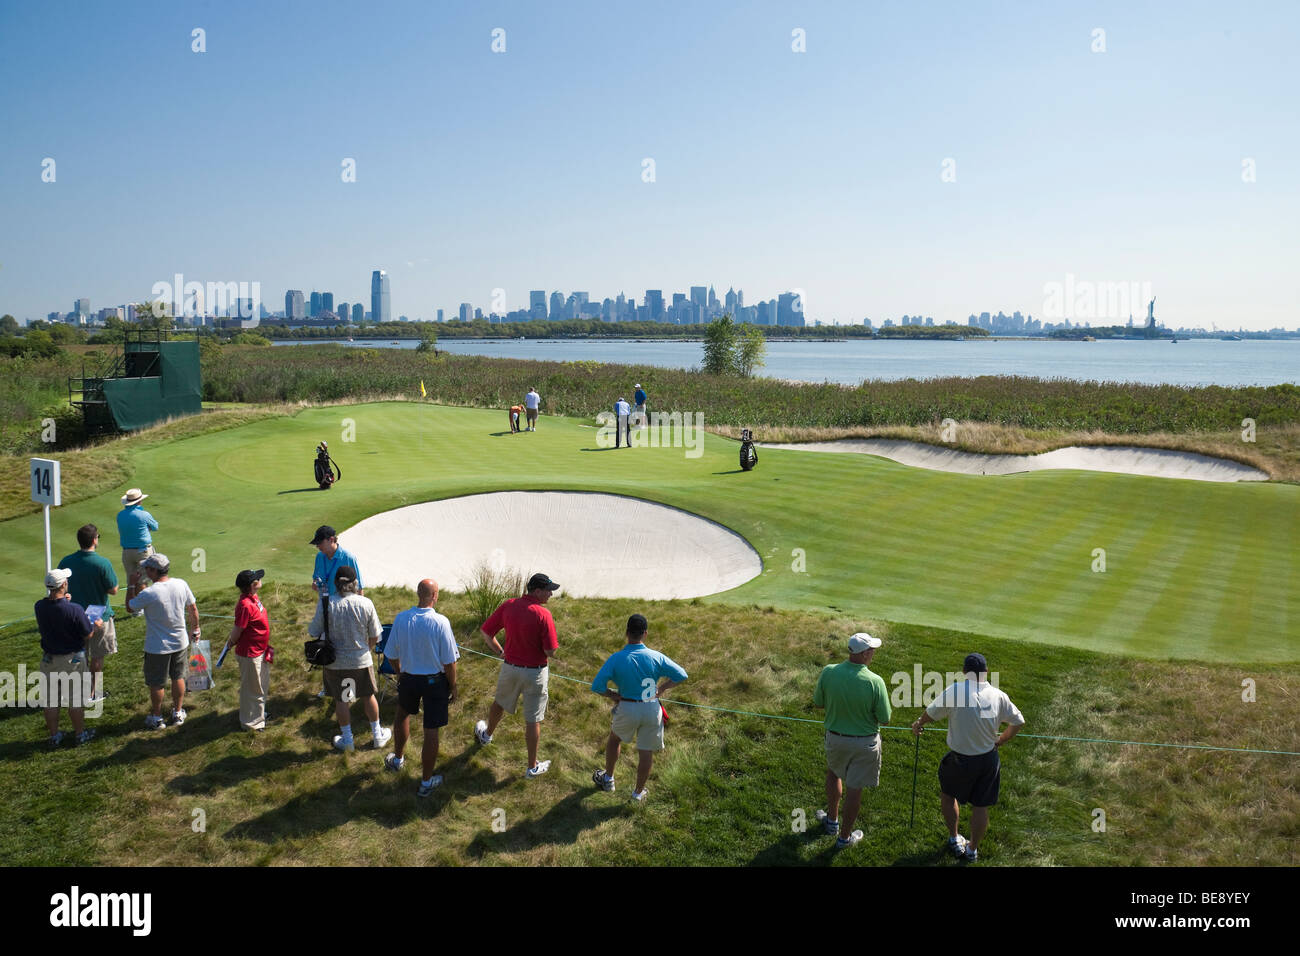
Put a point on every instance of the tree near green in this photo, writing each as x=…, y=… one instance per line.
x=428, y=338
x=720, y=346
x=8, y=325
x=751, y=350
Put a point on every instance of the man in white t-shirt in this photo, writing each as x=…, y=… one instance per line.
x=422, y=649
x=622, y=422
x=971, y=771
x=171, y=619
x=532, y=401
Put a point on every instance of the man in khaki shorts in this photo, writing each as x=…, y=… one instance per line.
x=857, y=703
x=530, y=644
x=637, y=715
x=353, y=630
x=133, y=527
x=93, y=581
x=64, y=630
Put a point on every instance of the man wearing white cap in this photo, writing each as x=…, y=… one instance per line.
x=133, y=527
x=171, y=619
x=64, y=631
x=857, y=704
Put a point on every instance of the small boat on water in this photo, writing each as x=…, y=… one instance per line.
x=1230, y=338
x=1174, y=340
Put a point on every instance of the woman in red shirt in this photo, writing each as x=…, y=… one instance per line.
x=251, y=639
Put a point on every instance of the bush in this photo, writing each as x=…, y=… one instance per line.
x=489, y=587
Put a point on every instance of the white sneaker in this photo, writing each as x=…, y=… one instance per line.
x=383, y=737
x=178, y=716
x=154, y=722
x=957, y=846
x=481, y=734
x=340, y=745
x=541, y=768
x=639, y=795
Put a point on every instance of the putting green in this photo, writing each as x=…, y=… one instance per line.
x=1192, y=570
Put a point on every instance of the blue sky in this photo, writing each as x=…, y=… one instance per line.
x=774, y=170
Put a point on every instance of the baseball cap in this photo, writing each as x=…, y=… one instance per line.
x=323, y=532
x=637, y=385
x=245, y=579
x=540, y=580
x=346, y=572
x=56, y=578
x=975, y=663
x=862, y=641
x=157, y=561
x=636, y=625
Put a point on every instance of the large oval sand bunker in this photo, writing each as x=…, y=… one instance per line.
x=594, y=545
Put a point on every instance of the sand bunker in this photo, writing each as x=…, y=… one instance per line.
x=1153, y=462
x=594, y=545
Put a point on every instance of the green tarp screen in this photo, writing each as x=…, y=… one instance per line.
x=140, y=402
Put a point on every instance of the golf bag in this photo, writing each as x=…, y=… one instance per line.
x=327, y=469
x=748, y=454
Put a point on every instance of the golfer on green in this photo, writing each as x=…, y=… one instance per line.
x=857, y=703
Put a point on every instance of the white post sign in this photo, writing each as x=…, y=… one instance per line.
x=46, y=491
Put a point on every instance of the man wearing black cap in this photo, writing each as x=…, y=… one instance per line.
x=353, y=631
x=251, y=638
x=530, y=643
x=637, y=714
x=330, y=559
x=971, y=771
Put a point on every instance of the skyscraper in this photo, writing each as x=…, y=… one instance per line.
x=654, y=305
x=537, y=304
x=294, y=307
x=785, y=310
x=327, y=301
x=381, y=307
x=466, y=312
x=358, y=312
x=343, y=312
x=557, y=306
x=315, y=305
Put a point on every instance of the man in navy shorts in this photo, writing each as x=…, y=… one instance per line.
x=422, y=649
x=971, y=771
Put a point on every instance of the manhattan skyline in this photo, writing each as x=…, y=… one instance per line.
x=882, y=161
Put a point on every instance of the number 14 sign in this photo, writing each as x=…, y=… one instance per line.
x=45, y=491
x=45, y=482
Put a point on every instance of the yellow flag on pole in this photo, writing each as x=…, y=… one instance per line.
x=423, y=393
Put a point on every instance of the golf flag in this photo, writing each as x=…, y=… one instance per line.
x=423, y=393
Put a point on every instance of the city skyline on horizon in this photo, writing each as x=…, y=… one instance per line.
x=881, y=162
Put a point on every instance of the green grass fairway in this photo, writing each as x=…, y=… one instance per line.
x=1193, y=569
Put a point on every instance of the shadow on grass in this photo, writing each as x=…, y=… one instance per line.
x=231, y=771
x=144, y=744
x=609, y=448
x=295, y=491
x=388, y=800
x=560, y=824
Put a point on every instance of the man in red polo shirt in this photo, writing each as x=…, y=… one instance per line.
x=530, y=642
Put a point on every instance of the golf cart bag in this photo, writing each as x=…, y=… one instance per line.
x=327, y=469
x=748, y=454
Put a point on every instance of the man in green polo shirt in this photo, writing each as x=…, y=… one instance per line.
x=857, y=703
x=93, y=580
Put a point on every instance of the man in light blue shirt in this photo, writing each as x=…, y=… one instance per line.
x=638, y=715
x=133, y=527
x=329, y=559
